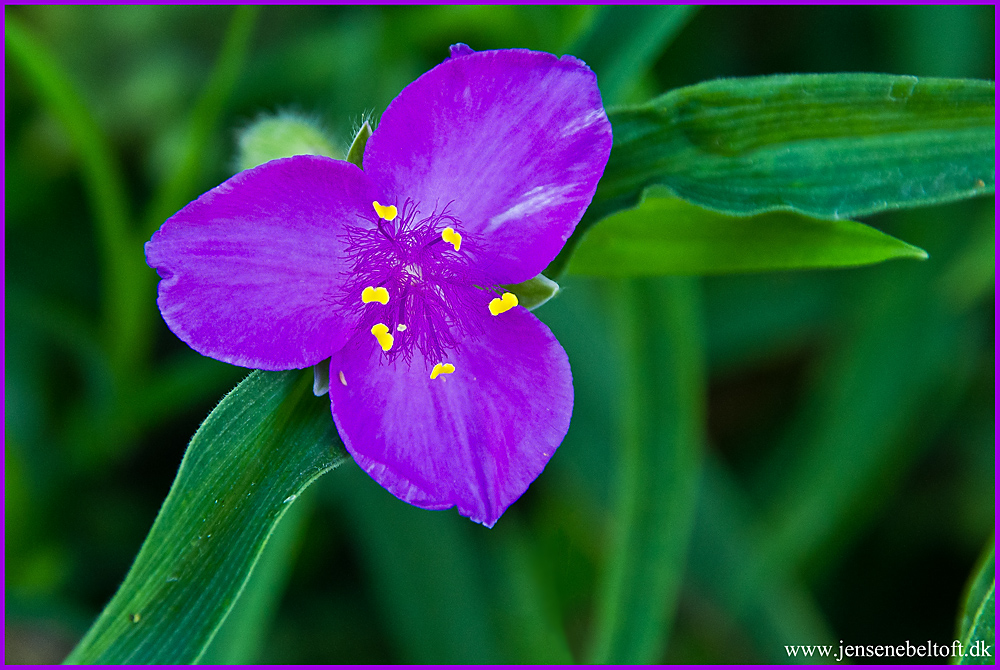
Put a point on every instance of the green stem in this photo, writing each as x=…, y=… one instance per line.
x=658, y=470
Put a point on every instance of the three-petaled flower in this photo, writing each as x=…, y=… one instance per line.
x=443, y=389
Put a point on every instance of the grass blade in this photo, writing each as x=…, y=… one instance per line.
x=257, y=451
x=977, y=624
x=831, y=146
x=660, y=453
x=667, y=236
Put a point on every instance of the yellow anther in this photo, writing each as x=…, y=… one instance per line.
x=401, y=327
x=442, y=369
x=343, y=379
x=449, y=235
x=387, y=213
x=503, y=303
x=381, y=333
x=372, y=294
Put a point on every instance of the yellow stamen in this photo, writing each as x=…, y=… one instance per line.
x=387, y=213
x=343, y=379
x=503, y=303
x=449, y=235
x=442, y=369
x=372, y=294
x=401, y=327
x=381, y=333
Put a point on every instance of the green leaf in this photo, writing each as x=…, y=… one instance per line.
x=623, y=41
x=977, y=626
x=657, y=472
x=243, y=633
x=831, y=146
x=535, y=292
x=256, y=452
x=667, y=236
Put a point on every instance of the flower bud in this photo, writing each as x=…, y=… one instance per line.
x=280, y=136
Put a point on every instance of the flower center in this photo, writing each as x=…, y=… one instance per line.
x=414, y=286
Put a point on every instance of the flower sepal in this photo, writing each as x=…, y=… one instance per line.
x=357, y=150
x=535, y=292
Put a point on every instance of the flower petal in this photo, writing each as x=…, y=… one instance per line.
x=474, y=438
x=249, y=270
x=514, y=140
x=458, y=50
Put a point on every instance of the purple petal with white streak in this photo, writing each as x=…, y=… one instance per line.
x=514, y=140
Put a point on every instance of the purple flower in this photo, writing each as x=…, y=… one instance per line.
x=443, y=389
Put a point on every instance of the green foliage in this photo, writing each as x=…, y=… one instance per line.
x=834, y=146
x=656, y=480
x=830, y=146
x=754, y=460
x=180, y=185
x=667, y=236
x=104, y=180
x=893, y=373
x=254, y=455
x=241, y=638
x=977, y=625
x=971, y=276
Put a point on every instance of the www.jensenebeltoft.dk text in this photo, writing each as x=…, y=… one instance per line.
x=906, y=650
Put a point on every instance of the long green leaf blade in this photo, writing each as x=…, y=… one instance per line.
x=241, y=637
x=667, y=236
x=255, y=453
x=977, y=626
x=831, y=146
x=658, y=470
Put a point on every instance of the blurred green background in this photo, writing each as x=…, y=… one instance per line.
x=847, y=484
